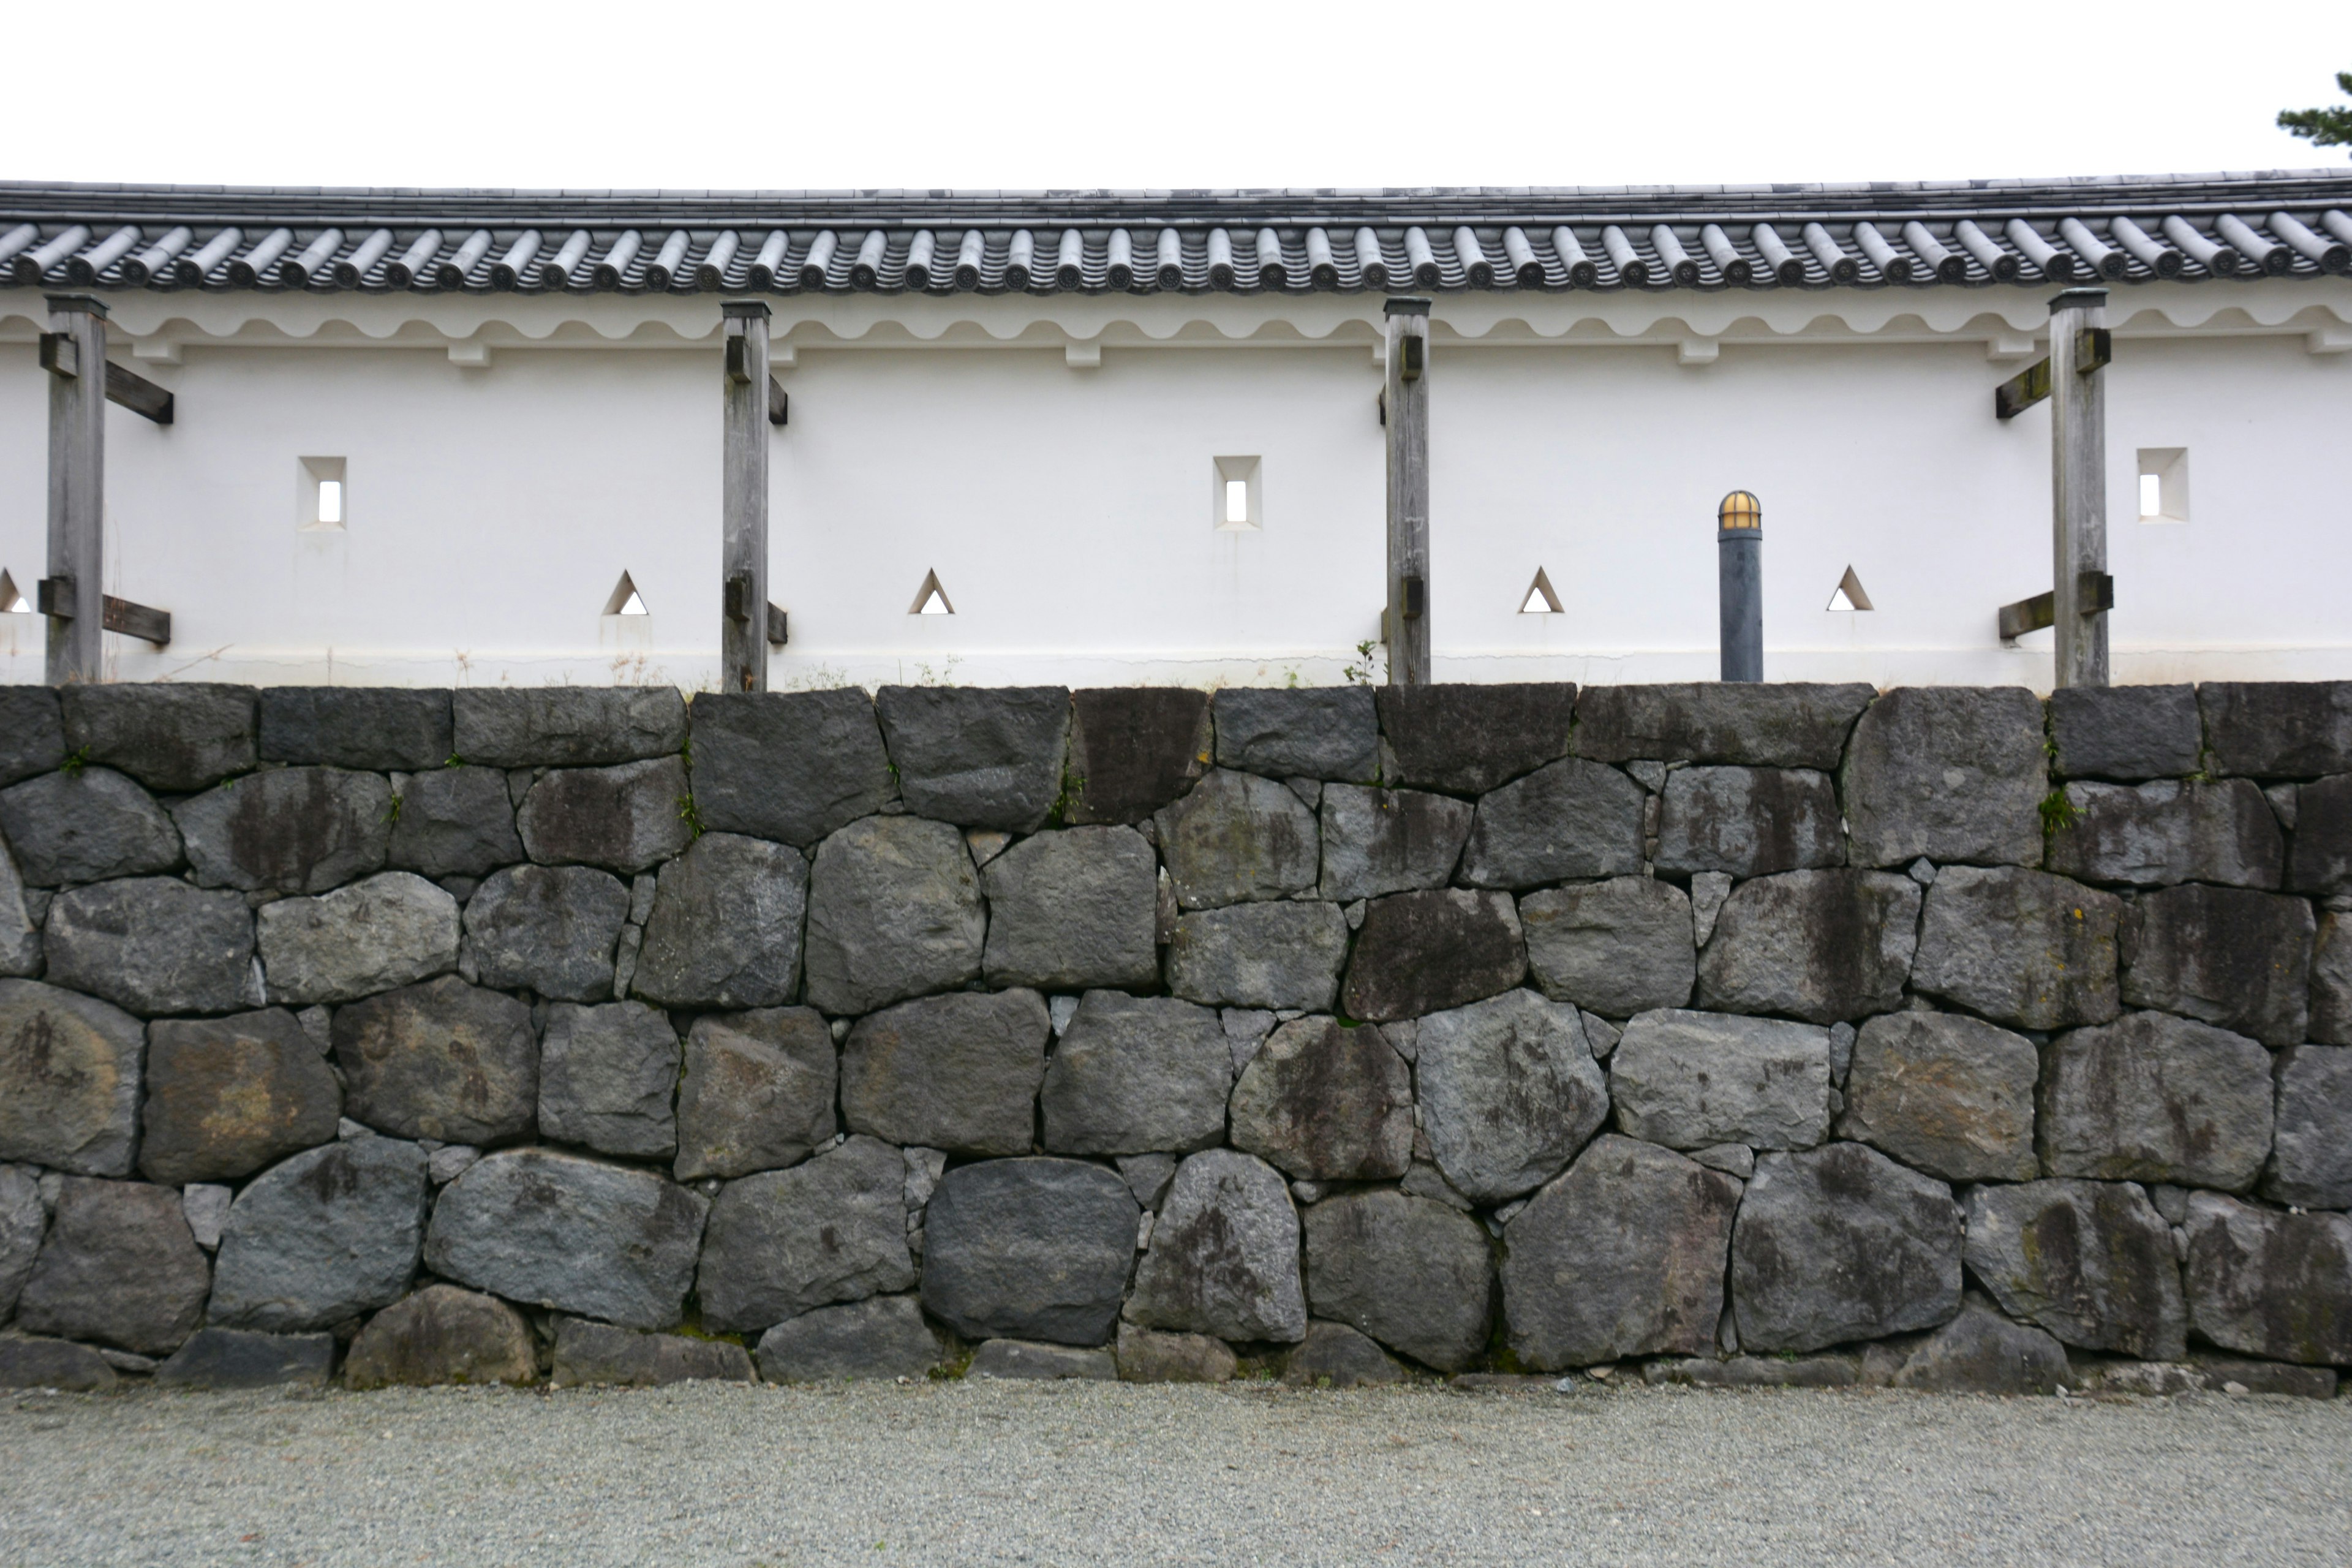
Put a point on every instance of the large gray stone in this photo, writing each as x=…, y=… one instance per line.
x=1840, y=1243
x=2024, y=948
x=441, y=1335
x=2229, y=956
x=1146, y=1355
x=443, y=1060
x=959, y=1072
x=2127, y=732
x=1030, y=1248
x=322, y=1238
x=2331, y=981
x=1782, y=724
x=1334, y=1355
x=1749, y=821
x=1134, y=749
x=894, y=912
x=781, y=1243
x=1690, y=1080
x=2269, y=1284
x=1824, y=946
x=167, y=736
x=70, y=1075
x=2151, y=1097
x=756, y=1094
x=1420, y=953
x=153, y=945
x=880, y=1338
x=1951, y=772
x=2311, y=1160
x=2278, y=729
x=2321, y=860
x=227, y=1096
x=20, y=936
x=1412, y=1273
x=27, y=1363
x=626, y=818
x=1379, y=841
x=1237, y=837
x=1571, y=818
x=2168, y=831
x=1980, y=1351
x=294, y=830
x=23, y=1222
x=32, y=732
x=393, y=929
x=605, y=1078
x=1259, y=955
x=1316, y=732
x=119, y=1266
x=1469, y=740
x=1134, y=1075
x=1946, y=1094
x=1624, y=1256
x=1030, y=1359
x=1618, y=947
x=1223, y=1258
x=382, y=728
x=239, y=1358
x=2090, y=1261
x=1072, y=910
x=455, y=822
x=573, y=1234
x=1509, y=1092
x=600, y=1354
x=1327, y=1102
x=552, y=930
x=787, y=766
x=725, y=930
x=979, y=757
x=86, y=825
x=567, y=726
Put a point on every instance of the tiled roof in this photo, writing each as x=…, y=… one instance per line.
x=1734, y=236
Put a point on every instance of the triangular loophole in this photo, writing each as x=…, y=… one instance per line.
x=1849, y=594
x=1540, y=599
x=12, y=598
x=930, y=599
x=625, y=600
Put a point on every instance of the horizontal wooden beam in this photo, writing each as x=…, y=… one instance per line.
x=779, y=403
x=2094, y=594
x=779, y=628
x=2094, y=349
x=54, y=597
x=62, y=358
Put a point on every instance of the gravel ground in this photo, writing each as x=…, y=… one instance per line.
x=990, y=1473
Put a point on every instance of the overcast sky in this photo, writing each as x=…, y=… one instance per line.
x=792, y=95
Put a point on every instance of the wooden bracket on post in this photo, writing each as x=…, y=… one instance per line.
x=55, y=597
x=62, y=359
x=779, y=628
x=779, y=403
x=2094, y=594
x=2094, y=350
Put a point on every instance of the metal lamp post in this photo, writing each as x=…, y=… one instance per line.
x=1739, y=568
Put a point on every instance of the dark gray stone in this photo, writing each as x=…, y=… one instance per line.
x=1839, y=1244
x=787, y=766
x=322, y=1238
x=1134, y=749
x=2225, y=955
x=2151, y=1097
x=600, y=1354
x=1223, y=1259
x=2269, y=1284
x=1624, y=1256
x=70, y=1075
x=2090, y=1261
x=880, y=1338
x=2024, y=948
x=1749, y=821
x=86, y=825
x=1072, y=910
x=959, y=1072
x=573, y=1234
x=979, y=757
x=1333, y=1355
x=894, y=911
x=2321, y=860
x=552, y=930
x=1949, y=1095
x=1618, y=947
x=441, y=1335
x=293, y=830
x=1980, y=1351
x=1029, y=1248
x=443, y=1060
x=153, y=944
x=393, y=929
x=781, y=1243
x=1420, y=953
x=2217, y=1372
x=1951, y=772
x=2277, y=729
x=2170, y=831
x=1327, y=1102
x=1571, y=818
x=1758, y=1372
x=1134, y=1075
x=383, y=728
x=1692, y=1079
x=756, y=1094
x=32, y=732
x=1509, y=1092
x=567, y=726
x=238, y=1358
x=1469, y=740
x=227, y=1096
x=725, y=930
x=1783, y=724
x=1379, y=841
x=1259, y=955
x=1316, y=732
x=2311, y=1163
x=455, y=822
x=119, y=1266
x=1238, y=837
x=168, y=737
x=1411, y=1273
x=1027, y=1360
x=2331, y=981
x=20, y=934
x=2127, y=732
x=1146, y=1355
x=625, y=818
x=1824, y=946
x=605, y=1078
x=23, y=1222
x=53, y=1364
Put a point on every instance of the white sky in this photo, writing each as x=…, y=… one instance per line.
x=978, y=95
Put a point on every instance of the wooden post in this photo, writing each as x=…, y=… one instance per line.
x=2080, y=590
x=743, y=621
x=1405, y=627
x=75, y=594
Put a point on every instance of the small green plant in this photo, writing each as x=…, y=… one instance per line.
x=1290, y=676
x=1370, y=660
x=1073, y=787
x=2057, y=813
x=455, y=761
x=76, y=762
x=392, y=813
x=690, y=816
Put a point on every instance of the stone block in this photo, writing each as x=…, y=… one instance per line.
x=2331, y=981
x=977, y=757
x=1027, y=1360
x=24, y=1221
x=1618, y=947
x=153, y=945
x=1238, y=837
x=1951, y=772
x=1378, y=841
x=878, y=1339
x=1411, y=1273
x=2277, y=729
x=1259, y=955
x=2154, y=835
x=959, y=1072
x=2151, y=1097
x=2022, y=948
x=380, y=728
x=1944, y=1093
x=455, y=822
x=322, y=1238
x=168, y=737
x=2228, y=956
x=1029, y=1248
x=1570, y=818
x=605, y=1078
x=756, y=1094
x=2125, y=732
x=443, y=1060
x=443, y=1335
x=1146, y=1355
x=1757, y=1371
x=1469, y=740
x=626, y=818
x=2311, y=1161
x=293, y=830
x=1690, y=1079
x=552, y=930
x=2321, y=860
x=1325, y=1101
x=1134, y=749
x=119, y=1266
x=1421, y=953
x=1509, y=1092
x=2269, y=1284
x=1783, y=724
x=32, y=732
x=571, y=1234
x=27, y=1363
x=1824, y=946
x=725, y=930
x=20, y=934
x=894, y=912
x=1840, y=1244
x=1334, y=1355
x=86, y=825
x=1133, y=1074
x=600, y=1354
x=393, y=929
x=2090, y=1261
x=227, y=1096
x=70, y=1075
x=2217, y=1372
x=567, y=726
x=1980, y=1351
x=781, y=1243
x=1749, y=821
x=1072, y=910
x=1223, y=1259
x=238, y=1358
x=1316, y=732
x=789, y=765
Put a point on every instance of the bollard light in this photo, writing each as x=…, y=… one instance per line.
x=1740, y=567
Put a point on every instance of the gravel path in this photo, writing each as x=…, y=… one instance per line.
x=992, y=1473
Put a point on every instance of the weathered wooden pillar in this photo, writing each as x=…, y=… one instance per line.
x=74, y=596
x=743, y=621
x=1406, y=626
x=2081, y=588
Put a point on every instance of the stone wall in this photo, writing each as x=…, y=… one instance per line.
x=1943, y=1037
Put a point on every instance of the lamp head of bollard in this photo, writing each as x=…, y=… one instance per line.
x=1740, y=514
